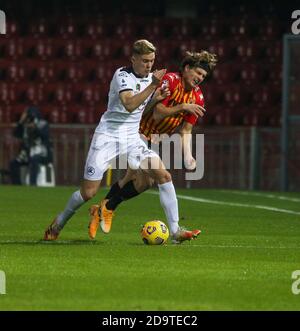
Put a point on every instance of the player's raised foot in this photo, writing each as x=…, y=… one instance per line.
x=94, y=221
x=52, y=231
x=106, y=217
x=183, y=235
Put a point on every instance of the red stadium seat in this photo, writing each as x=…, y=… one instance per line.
x=70, y=49
x=273, y=51
x=154, y=28
x=251, y=74
x=8, y=95
x=211, y=29
x=242, y=29
x=42, y=72
x=57, y=114
x=181, y=29
x=62, y=94
x=225, y=73
x=166, y=50
x=228, y=115
x=270, y=29
x=74, y=73
x=95, y=29
x=124, y=30
x=41, y=49
x=15, y=72
x=39, y=28
x=257, y=115
x=249, y=50
x=13, y=49
x=234, y=95
x=5, y=114
x=274, y=118
x=70, y=72
x=34, y=94
x=12, y=29
x=213, y=95
x=84, y=114
x=102, y=50
x=67, y=28
x=92, y=94
x=99, y=72
x=59, y=94
x=224, y=49
x=274, y=75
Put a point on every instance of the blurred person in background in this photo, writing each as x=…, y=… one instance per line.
x=35, y=149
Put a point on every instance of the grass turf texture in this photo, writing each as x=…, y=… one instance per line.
x=243, y=260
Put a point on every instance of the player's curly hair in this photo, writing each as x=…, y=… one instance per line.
x=203, y=59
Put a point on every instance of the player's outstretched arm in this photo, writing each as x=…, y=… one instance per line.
x=186, y=137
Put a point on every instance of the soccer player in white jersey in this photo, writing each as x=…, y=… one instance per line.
x=130, y=90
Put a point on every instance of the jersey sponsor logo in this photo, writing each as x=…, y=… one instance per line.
x=90, y=171
x=144, y=80
x=165, y=83
x=123, y=75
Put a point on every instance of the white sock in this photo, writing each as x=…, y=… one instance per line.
x=169, y=203
x=73, y=204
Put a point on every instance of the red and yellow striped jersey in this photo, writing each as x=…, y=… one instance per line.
x=177, y=96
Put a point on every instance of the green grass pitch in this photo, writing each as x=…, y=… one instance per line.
x=243, y=260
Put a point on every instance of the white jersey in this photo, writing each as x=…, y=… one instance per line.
x=117, y=121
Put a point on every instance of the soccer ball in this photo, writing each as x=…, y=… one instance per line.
x=155, y=233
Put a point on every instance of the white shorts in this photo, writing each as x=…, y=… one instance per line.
x=104, y=150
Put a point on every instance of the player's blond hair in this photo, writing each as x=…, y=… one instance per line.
x=195, y=59
x=142, y=47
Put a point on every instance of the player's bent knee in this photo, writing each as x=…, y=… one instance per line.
x=89, y=190
x=88, y=194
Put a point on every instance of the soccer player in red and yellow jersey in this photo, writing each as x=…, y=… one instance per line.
x=177, y=107
x=180, y=108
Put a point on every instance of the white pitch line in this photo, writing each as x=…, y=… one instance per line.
x=264, y=195
x=191, y=245
x=235, y=246
x=234, y=204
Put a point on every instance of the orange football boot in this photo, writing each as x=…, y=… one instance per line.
x=183, y=235
x=95, y=220
x=106, y=217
